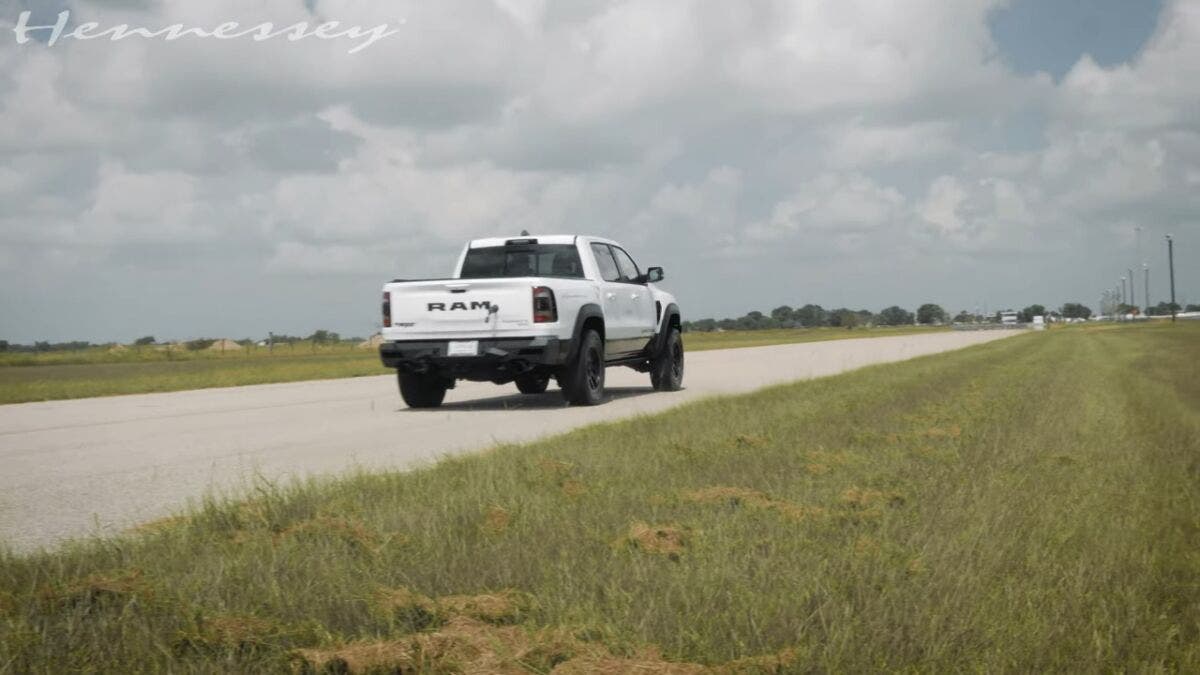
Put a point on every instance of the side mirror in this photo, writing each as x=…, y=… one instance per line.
x=653, y=275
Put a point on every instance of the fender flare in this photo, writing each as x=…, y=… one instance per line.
x=588, y=311
x=671, y=310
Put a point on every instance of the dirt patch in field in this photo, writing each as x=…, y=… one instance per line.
x=668, y=540
x=228, y=632
x=359, y=657
x=865, y=498
x=780, y=662
x=861, y=504
x=351, y=532
x=866, y=547
x=225, y=345
x=505, y=607
x=96, y=590
x=496, y=520
x=554, y=469
x=573, y=488
x=502, y=607
x=407, y=607
x=648, y=662
x=829, y=458
x=479, y=634
x=561, y=474
x=461, y=646
x=952, y=431
x=739, y=496
x=468, y=646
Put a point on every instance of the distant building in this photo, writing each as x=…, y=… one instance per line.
x=1008, y=317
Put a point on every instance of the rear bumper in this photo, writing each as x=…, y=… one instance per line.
x=499, y=359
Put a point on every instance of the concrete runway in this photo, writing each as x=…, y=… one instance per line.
x=97, y=466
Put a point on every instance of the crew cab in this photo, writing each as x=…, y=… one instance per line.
x=528, y=309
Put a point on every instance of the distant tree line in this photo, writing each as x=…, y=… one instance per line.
x=6, y=346
x=816, y=316
x=1164, y=309
x=1074, y=310
x=319, y=337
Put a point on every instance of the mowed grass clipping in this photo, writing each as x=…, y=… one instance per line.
x=1027, y=505
x=99, y=371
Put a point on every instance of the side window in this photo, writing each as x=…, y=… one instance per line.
x=604, y=259
x=629, y=269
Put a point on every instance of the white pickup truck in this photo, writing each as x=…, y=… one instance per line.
x=527, y=309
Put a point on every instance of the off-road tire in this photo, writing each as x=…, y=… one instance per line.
x=666, y=370
x=422, y=390
x=582, y=379
x=532, y=384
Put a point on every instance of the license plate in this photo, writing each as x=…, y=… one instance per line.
x=469, y=348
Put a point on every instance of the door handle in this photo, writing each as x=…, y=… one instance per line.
x=610, y=296
x=634, y=296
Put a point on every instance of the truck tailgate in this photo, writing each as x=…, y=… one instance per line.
x=454, y=307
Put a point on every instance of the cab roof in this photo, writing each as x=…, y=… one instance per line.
x=541, y=239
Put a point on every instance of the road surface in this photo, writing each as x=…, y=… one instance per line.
x=98, y=466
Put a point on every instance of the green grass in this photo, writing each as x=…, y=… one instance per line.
x=102, y=372
x=1027, y=505
x=51, y=382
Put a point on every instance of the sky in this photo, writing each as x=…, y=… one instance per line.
x=979, y=154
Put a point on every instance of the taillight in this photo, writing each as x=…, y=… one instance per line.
x=544, y=308
x=387, y=309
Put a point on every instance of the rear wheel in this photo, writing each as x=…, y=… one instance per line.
x=422, y=390
x=582, y=380
x=533, y=384
x=666, y=371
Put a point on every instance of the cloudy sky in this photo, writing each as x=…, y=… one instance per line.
x=973, y=153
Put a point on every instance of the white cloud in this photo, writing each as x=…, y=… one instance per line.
x=858, y=145
x=36, y=113
x=834, y=202
x=130, y=207
x=292, y=257
x=941, y=205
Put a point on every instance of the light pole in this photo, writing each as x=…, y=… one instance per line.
x=1132, y=293
x=1171, y=267
x=1137, y=238
x=1146, y=286
x=1123, y=290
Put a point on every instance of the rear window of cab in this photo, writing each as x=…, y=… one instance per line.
x=526, y=260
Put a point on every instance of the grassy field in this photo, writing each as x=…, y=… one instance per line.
x=1027, y=505
x=103, y=372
